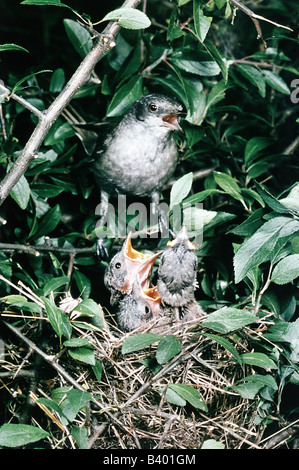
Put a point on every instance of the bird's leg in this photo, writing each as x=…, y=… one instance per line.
x=163, y=220
x=102, y=211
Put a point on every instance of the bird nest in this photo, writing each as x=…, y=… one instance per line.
x=132, y=408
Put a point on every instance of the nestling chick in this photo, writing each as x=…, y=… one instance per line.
x=125, y=267
x=140, y=155
x=138, y=308
x=177, y=277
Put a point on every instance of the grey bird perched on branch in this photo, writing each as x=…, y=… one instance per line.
x=139, y=157
x=177, y=281
x=127, y=267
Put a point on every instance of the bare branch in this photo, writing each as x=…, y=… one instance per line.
x=105, y=42
x=255, y=19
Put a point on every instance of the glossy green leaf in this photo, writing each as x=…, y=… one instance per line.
x=79, y=37
x=276, y=82
x=80, y=434
x=228, y=184
x=286, y=270
x=12, y=47
x=202, y=23
x=21, y=192
x=228, y=319
x=17, y=435
x=138, y=342
x=174, y=398
x=59, y=321
x=181, y=189
x=169, y=347
x=204, y=68
x=226, y=344
x=129, y=18
x=254, y=76
x=76, y=343
x=97, y=369
x=48, y=223
x=83, y=354
x=53, y=284
x=256, y=249
x=258, y=360
x=254, y=146
x=212, y=444
x=57, y=81
x=125, y=97
x=190, y=394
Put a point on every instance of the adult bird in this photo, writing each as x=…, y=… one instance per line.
x=177, y=278
x=139, y=157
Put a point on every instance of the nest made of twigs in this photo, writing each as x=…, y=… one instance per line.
x=133, y=394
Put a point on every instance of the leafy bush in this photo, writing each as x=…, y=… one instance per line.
x=239, y=159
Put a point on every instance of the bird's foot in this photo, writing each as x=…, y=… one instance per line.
x=102, y=250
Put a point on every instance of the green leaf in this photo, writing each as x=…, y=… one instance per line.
x=83, y=354
x=21, y=192
x=79, y=37
x=16, y=435
x=212, y=444
x=129, y=18
x=270, y=200
x=248, y=390
x=286, y=270
x=276, y=82
x=22, y=303
x=228, y=184
x=48, y=223
x=169, y=347
x=76, y=342
x=203, y=68
x=183, y=2
x=97, y=369
x=190, y=394
x=181, y=189
x=57, y=81
x=291, y=201
x=202, y=23
x=78, y=399
x=59, y=321
x=80, y=435
x=259, y=360
x=53, y=284
x=24, y=79
x=138, y=342
x=264, y=380
x=228, y=319
x=125, y=97
x=254, y=76
x=12, y=47
x=257, y=248
x=174, y=398
x=254, y=146
x=226, y=344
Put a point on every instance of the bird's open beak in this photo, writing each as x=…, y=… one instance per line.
x=171, y=121
x=153, y=298
x=137, y=263
x=182, y=236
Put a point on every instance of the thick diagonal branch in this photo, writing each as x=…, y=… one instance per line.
x=104, y=43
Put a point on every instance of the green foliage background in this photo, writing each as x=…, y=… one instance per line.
x=241, y=125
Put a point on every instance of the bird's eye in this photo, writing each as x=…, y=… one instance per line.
x=153, y=108
x=118, y=265
x=147, y=310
